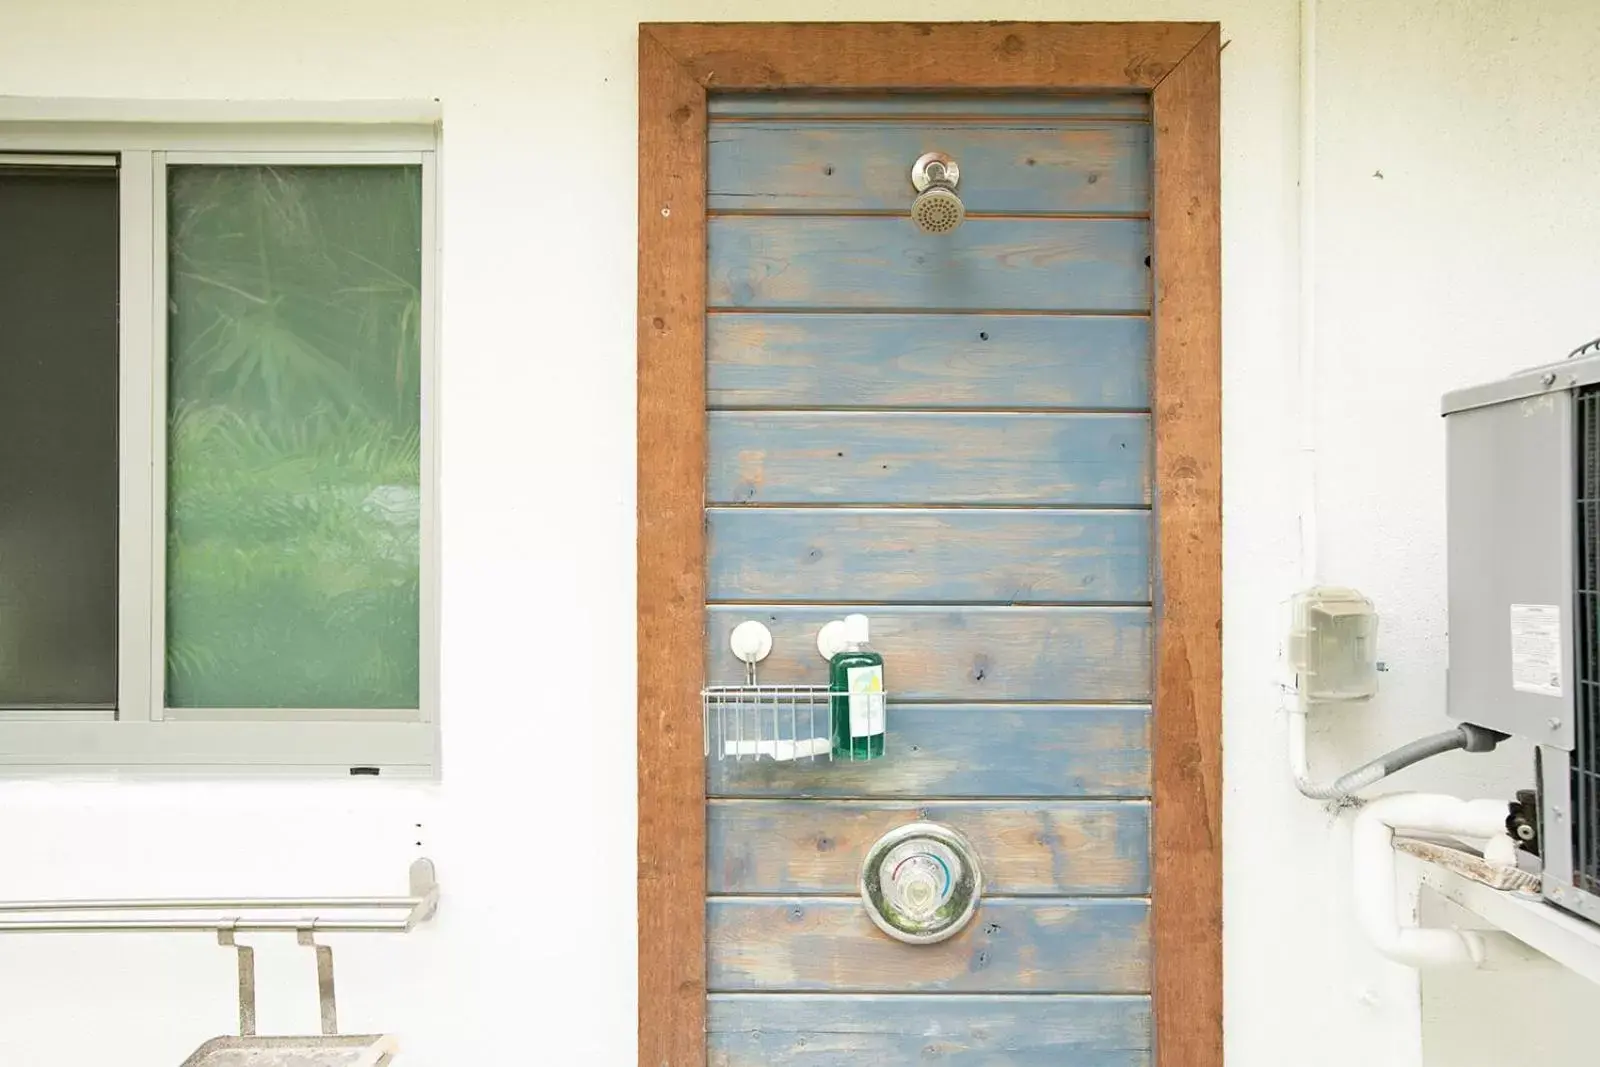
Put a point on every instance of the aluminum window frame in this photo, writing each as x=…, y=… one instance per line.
x=143, y=734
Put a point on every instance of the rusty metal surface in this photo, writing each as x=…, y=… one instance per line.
x=368, y=1050
x=1469, y=865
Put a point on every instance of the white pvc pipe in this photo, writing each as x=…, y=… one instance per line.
x=1373, y=872
x=1306, y=325
x=1299, y=761
x=1347, y=785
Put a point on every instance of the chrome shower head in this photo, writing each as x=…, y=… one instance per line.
x=937, y=208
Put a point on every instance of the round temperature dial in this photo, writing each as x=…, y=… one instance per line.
x=921, y=882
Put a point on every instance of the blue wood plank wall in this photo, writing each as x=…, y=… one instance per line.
x=952, y=435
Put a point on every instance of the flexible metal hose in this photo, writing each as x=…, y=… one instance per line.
x=1466, y=736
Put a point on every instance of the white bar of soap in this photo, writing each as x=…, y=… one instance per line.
x=782, y=749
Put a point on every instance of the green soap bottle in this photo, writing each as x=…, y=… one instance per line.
x=855, y=682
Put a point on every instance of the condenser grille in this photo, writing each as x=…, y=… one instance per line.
x=1586, y=757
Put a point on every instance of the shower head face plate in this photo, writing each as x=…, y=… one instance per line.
x=938, y=211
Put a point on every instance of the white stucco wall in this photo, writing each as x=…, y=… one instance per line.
x=1463, y=261
x=1471, y=255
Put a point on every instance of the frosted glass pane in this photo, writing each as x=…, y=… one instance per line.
x=58, y=438
x=293, y=485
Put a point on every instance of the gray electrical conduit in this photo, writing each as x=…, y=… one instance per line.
x=1466, y=737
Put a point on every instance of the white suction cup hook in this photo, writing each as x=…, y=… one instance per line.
x=831, y=639
x=751, y=641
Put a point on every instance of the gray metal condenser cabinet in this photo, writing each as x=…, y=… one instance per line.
x=1524, y=577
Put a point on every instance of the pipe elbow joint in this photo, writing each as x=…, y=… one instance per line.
x=1374, y=872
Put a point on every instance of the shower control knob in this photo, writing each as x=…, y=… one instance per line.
x=921, y=883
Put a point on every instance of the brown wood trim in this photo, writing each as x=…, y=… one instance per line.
x=929, y=55
x=671, y=560
x=678, y=65
x=1186, y=856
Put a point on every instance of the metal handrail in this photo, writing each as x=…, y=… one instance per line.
x=420, y=906
x=219, y=904
x=172, y=926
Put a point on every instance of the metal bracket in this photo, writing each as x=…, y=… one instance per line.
x=325, y=997
x=247, y=981
x=425, y=891
x=934, y=168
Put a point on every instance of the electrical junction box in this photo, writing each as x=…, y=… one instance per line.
x=1331, y=654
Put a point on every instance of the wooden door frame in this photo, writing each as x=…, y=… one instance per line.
x=680, y=64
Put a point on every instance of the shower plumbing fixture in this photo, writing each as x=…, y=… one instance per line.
x=937, y=208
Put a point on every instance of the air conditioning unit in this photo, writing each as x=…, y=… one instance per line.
x=1524, y=596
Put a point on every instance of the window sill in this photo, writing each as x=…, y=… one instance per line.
x=217, y=749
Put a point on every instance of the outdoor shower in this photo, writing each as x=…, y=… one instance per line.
x=937, y=208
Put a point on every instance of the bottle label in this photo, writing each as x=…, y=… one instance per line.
x=865, y=686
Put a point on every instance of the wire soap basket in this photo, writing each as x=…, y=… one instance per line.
x=776, y=722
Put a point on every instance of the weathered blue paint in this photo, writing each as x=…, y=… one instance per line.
x=803, y=457
x=973, y=654
x=772, y=262
x=842, y=360
x=820, y=1030
x=939, y=107
x=953, y=434
x=1013, y=945
x=970, y=750
x=1029, y=848
x=1077, y=168
x=913, y=555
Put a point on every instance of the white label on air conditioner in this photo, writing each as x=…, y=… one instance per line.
x=1536, y=649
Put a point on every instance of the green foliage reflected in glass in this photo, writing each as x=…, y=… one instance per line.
x=294, y=436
